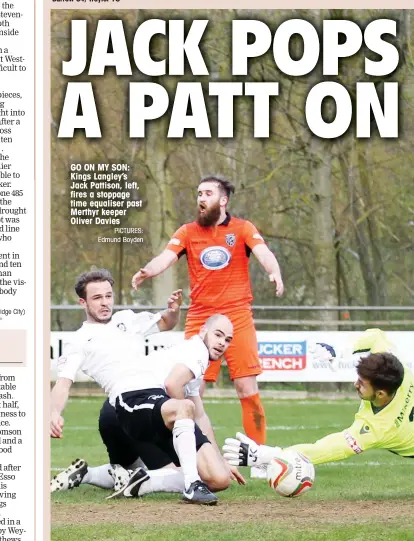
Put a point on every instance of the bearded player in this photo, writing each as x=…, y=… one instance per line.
x=218, y=246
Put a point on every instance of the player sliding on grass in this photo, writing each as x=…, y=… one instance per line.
x=124, y=473
x=143, y=418
x=108, y=348
x=385, y=419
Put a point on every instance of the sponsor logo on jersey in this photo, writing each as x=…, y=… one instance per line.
x=121, y=327
x=230, y=239
x=215, y=258
x=282, y=355
x=156, y=396
x=407, y=403
x=351, y=441
x=364, y=429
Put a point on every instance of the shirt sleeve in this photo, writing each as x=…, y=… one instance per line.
x=251, y=235
x=178, y=242
x=193, y=387
x=145, y=323
x=354, y=440
x=71, y=361
x=194, y=355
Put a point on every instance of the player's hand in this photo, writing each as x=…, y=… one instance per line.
x=279, y=284
x=240, y=452
x=175, y=300
x=56, y=425
x=139, y=277
x=321, y=352
x=235, y=475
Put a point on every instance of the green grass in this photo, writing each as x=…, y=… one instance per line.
x=375, y=475
x=233, y=532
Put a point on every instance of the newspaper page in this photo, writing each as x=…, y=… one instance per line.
x=281, y=138
x=17, y=271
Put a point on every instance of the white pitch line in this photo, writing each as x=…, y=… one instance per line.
x=286, y=402
x=290, y=427
x=277, y=427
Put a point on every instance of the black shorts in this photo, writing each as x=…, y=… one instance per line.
x=121, y=449
x=139, y=414
x=124, y=450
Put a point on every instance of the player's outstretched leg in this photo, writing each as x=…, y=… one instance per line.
x=178, y=415
x=120, y=476
x=71, y=477
x=131, y=486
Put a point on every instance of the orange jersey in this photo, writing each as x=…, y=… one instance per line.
x=218, y=261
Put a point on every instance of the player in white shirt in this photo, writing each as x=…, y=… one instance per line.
x=107, y=350
x=141, y=325
x=182, y=379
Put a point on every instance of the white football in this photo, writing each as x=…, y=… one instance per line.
x=291, y=474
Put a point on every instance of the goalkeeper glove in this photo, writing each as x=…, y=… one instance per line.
x=245, y=452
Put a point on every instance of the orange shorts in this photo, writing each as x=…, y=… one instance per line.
x=242, y=354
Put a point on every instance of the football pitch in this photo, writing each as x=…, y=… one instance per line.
x=368, y=497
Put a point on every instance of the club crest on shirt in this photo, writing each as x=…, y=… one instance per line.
x=230, y=239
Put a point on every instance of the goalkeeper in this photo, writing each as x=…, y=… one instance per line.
x=385, y=419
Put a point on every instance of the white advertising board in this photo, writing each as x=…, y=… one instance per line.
x=284, y=355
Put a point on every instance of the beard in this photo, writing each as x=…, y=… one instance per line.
x=209, y=217
x=100, y=319
x=212, y=355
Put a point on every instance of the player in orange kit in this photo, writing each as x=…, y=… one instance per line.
x=218, y=246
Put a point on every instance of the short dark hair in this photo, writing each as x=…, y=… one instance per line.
x=225, y=186
x=383, y=370
x=98, y=275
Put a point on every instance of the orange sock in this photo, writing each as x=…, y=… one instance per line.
x=254, y=420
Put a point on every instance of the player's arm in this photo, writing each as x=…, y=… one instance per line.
x=156, y=266
x=171, y=316
x=338, y=446
x=270, y=264
x=175, y=247
x=203, y=421
x=58, y=399
x=359, y=437
x=177, y=379
x=67, y=366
